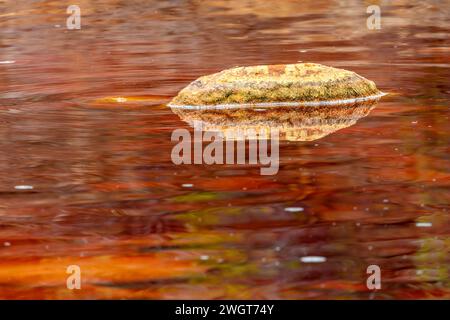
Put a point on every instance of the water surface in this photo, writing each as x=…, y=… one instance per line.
x=86, y=176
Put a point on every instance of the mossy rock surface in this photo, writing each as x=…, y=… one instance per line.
x=290, y=83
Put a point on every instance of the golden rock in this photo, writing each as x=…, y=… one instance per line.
x=290, y=84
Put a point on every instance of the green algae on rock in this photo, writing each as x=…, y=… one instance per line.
x=302, y=84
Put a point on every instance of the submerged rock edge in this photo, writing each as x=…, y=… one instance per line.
x=342, y=102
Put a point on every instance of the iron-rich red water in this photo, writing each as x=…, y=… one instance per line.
x=107, y=197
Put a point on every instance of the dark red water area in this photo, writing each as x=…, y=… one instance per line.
x=87, y=179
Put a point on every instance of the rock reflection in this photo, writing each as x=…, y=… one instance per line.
x=294, y=123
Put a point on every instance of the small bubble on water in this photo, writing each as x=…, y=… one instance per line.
x=204, y=257
x=424, y=224
x=7, y=244
x=385, y=200
x=187, y=185
x=7, y=62
x=313, y=259
x=294, y=209
x=23, y=187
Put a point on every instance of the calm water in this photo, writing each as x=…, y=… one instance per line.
x=87, y=179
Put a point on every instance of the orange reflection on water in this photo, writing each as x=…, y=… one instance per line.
x=84, y=123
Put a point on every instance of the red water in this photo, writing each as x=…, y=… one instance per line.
x=107, y=197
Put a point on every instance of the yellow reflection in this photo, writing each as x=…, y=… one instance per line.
x=294, y=123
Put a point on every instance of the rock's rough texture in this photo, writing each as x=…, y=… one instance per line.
x=300, y=83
